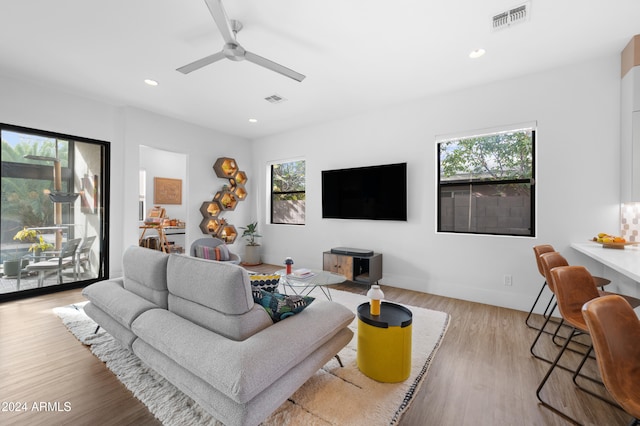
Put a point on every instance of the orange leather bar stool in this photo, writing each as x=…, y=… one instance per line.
x=574, y=286
x=615, y=333
x=538, y=251
x=549, y=261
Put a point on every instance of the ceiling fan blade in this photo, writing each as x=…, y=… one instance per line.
x=263, y=62
x=222, y=20
x=201, y=63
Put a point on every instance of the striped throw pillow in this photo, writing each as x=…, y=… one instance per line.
x=220, y=252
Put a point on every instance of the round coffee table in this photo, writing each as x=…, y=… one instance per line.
x=304, y=286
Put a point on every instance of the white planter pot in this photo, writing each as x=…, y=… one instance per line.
x=251, y=255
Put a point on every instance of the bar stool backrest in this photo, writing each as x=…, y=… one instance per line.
x=574, y=286
x=549, y=261
x=615, y=333
x=539, y=251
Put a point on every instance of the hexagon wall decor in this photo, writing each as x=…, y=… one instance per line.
x=225, y=199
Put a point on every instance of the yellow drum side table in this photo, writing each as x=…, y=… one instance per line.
x=384, y=342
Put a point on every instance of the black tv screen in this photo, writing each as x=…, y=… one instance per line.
x=376, y=192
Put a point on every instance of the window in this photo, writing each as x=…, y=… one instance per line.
x=486, y=183
x=288, y=192
x=53, y=196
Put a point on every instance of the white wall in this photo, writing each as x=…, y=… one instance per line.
x=160, y=163
x=202, y=147
x=577, y=111
x=41, y=107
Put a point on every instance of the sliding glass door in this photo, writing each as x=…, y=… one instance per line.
x=54, y=223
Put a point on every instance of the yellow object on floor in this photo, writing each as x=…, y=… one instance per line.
x=384, y=342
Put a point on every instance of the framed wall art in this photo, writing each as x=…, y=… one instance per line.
x=167, y=191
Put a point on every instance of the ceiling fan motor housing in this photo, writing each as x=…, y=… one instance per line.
x=235, y=52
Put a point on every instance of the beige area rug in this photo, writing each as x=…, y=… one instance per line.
x=333, y=396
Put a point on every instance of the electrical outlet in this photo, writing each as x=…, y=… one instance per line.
x=507, y=280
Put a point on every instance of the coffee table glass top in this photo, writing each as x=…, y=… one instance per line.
x=304, y=286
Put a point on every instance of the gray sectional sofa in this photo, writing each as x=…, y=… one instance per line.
x=195, y=322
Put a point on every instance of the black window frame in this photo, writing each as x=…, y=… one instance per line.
x=35, y=171
x=470, y=183
x=276, y=193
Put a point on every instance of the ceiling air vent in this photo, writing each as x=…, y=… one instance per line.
x=512, y=16
x=275, y=99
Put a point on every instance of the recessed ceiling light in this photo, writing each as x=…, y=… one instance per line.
x=151, y=82
x=253, y=120
x=477, y=53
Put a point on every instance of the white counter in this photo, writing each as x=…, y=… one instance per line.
x=626, y=262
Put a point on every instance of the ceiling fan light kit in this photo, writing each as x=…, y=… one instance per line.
x=232, y=49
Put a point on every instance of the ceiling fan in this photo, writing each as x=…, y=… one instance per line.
x=232, y=49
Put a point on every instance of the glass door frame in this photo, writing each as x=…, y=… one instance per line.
x=101, y=202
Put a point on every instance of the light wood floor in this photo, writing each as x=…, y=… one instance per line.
x=482, y=374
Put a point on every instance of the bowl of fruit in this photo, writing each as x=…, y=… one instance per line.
x=611, y=241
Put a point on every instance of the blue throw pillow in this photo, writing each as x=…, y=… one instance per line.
x=280, y=306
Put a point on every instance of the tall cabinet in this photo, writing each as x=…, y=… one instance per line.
x=630, y=122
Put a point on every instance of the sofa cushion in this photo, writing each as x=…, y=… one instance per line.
x=214, y=295
x=111, y=297
x=219, y=286
x=145, y=274
x=234, y=327
x=265, y=282
x=118, y=331
x=281, y=306
x=241, y=370
x=221, y=406
x=220, y=253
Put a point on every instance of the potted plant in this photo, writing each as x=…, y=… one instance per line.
x=12, y=266
x=26, y=234
x=41, y=245
x=252, y=249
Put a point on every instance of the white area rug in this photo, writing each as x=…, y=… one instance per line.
x=333, y=396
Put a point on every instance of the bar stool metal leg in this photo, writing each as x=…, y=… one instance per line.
x=546, y=377
x=526, y=321
x=577, y=373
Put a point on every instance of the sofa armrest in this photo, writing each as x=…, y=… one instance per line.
x=120, y=304
x=118, y=281
x=242, y=369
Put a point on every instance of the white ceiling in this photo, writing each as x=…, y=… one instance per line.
x=357, y=55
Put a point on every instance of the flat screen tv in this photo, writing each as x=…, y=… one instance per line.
x=376, y=192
